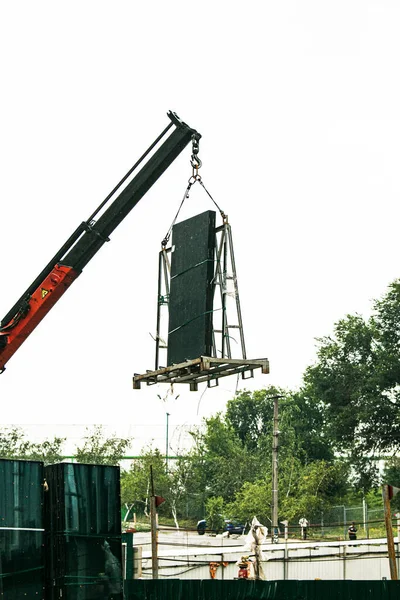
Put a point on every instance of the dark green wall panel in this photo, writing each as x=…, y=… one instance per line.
x=191, y=291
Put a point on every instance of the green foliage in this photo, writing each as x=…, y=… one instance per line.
x=374, y=498
x=391, y=476
x=253, y=499
x=136, y=483
x=315, y=489
x=96, y=448
x=357, y=380
x=303, y=490
x=300, y=422
x=101, y=450
x=226, y=463
x=13, y=444
x=348, y=407
x=215, y=513
x=48, y=451
x=174, y=485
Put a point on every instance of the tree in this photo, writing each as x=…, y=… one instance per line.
x=391, y=476
x=135, y=483
x=48, y=451
x=97, y=449
x=316, y=487
x=250, y=414
x=225, y=462
x=13, y=444
x=234, y=452
x=357, y=379
x=253, y=499
x=215, y=513
x=172, y=485
x=303, y=490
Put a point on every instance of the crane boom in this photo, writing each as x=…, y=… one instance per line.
x=86, y=241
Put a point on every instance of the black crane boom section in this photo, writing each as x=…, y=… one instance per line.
x=89, y=237
x=97, y=234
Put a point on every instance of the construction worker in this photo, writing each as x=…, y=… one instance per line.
x=303, y=525
x=352, y=531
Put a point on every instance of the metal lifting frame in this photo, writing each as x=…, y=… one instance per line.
x=225, y=263
x=226, y=304
x=225, y=272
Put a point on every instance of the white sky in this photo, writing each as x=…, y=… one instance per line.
x=298, y=105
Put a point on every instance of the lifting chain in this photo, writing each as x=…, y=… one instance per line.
x=195, y=160
x=196, y=164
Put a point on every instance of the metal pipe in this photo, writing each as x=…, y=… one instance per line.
x=225, y=331
x=158, y=311
x=239, y=312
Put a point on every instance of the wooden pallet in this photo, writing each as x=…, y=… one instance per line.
x=202, y=369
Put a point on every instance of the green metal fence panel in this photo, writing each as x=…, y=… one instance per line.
x=261, y=590
x=21, y=530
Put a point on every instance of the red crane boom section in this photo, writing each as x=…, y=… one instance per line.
x=41, y=301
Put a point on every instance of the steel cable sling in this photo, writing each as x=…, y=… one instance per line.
x=196, y=164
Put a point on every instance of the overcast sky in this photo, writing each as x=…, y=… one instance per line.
x=298, y=105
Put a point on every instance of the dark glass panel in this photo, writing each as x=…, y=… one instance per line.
x=86, y=568
x=191, y=289
x=84, y=499
x=92, y=499
x=21, y=530
x=21, y=498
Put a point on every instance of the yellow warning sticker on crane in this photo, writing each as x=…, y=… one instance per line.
x=44, y=293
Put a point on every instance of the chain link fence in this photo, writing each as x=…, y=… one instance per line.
x=334, y=523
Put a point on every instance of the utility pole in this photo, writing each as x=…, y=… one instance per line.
x=275, y=446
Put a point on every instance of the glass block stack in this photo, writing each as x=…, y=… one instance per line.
x=190, y=328
x=83, y=532
x=21, y=530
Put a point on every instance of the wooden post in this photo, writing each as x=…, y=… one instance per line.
x=154, y=531
x=397, y=515
x=275, y=446
x=389, y=533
